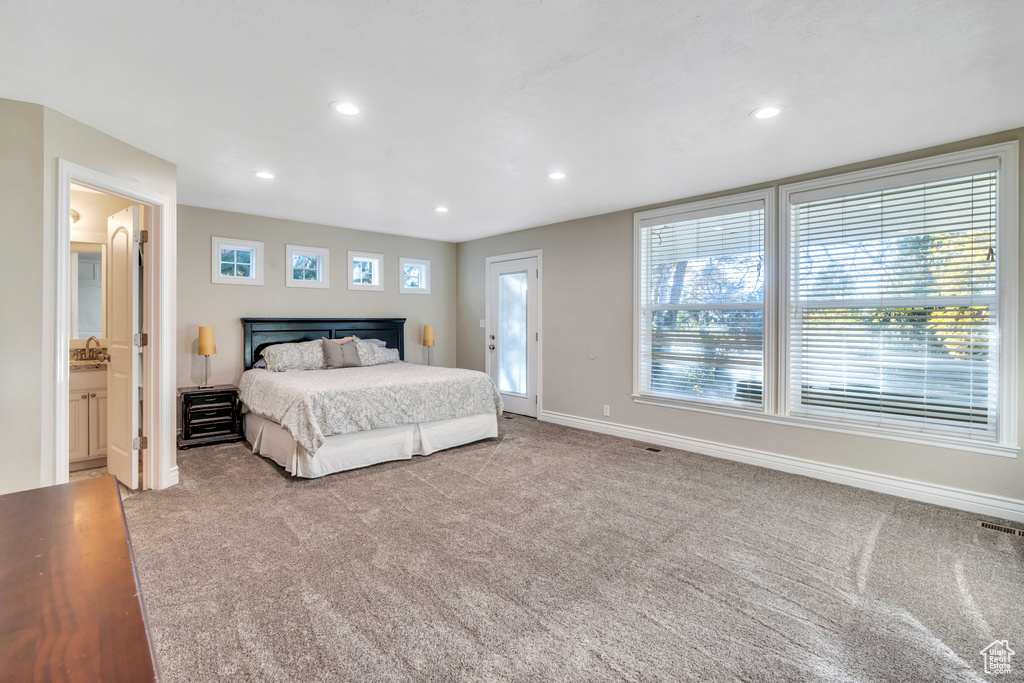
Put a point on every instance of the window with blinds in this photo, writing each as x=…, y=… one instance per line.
x=894, y=312
x=701, y=277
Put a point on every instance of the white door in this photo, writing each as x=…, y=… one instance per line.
x=124, y=374
x=513, y=332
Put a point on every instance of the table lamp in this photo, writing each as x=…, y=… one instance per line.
x=428, y=341
x=207, y=347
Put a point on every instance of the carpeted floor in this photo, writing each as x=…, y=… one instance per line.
x=557, y=554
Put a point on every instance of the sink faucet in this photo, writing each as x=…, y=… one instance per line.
x=89, y=354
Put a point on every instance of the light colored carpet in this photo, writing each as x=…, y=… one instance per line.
x=557, y=554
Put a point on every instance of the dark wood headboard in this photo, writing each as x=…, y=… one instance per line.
x=263, y=332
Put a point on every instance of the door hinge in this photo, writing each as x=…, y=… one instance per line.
x=536, y=336
x=141, y=236
x=140, y=339
x=140, y=443
x=535, y=400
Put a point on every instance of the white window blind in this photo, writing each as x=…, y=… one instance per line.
x=893, y=305
x=701, y=297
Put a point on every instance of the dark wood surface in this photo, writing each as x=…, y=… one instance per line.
x=70, y=604
x=209, y=415
x=260, y=333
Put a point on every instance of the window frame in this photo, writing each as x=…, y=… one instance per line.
x=217, y=243
x=323, y=272
x=688, y=211
x=775, y=389
x=378, y=286
x=425, y=263
x=897, y=175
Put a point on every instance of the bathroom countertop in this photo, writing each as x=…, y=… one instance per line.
x=82, y=365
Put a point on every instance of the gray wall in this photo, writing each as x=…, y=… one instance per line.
x=202, y=303
x=32, y=139
x=21, y=284
x=588, y=303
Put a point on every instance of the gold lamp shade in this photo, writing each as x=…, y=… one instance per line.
x=207, y=344
x=428, y=335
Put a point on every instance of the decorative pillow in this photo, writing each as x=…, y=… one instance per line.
x=340, y=355
x=376, y=342
x=261, y=363
x=371, y=354
x=301, y=356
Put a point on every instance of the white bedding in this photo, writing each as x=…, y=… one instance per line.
x=312, y=405
x=360, y=449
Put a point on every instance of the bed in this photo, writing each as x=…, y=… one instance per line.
x=317, y=422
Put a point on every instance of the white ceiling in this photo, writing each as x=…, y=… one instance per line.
x=470, y=103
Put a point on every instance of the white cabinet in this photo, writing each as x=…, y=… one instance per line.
x=78, y=425
x=87, y=416
x=97, y=423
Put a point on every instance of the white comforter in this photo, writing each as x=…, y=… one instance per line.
x=314, y=404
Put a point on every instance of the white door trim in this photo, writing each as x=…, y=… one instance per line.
x=539, y=253
x=159, y=302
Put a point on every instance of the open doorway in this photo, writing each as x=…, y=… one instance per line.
x=105, y=365
x=113, y=331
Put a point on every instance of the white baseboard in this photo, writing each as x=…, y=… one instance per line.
x=172, y=477
x=982, y=503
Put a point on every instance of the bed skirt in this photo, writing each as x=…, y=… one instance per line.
x=361, y=449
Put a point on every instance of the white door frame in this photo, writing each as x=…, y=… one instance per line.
x=159, y=275
x=539, y=253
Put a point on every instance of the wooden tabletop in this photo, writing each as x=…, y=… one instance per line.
x=70, y=604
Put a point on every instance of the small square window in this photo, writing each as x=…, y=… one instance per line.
x=307, y=267
x=364, y=271
x=414, y=276
x=237, y=262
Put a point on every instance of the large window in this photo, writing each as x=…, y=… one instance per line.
x=884, y=305
x=701, y=280
x=894, y=301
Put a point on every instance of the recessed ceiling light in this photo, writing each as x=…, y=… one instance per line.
x=556, y=175
x=266, y=175
x=346, y=108
x=441, y=209
x=770, y=111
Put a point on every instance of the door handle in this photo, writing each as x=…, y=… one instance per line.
x=490, y=346
x=85, y=395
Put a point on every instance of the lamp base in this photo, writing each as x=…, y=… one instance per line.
x=206, y=376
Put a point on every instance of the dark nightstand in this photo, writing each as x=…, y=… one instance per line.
x=209, y=415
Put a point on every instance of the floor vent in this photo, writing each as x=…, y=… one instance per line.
x=1002, y=529
x=652, y=449
x=507, y=417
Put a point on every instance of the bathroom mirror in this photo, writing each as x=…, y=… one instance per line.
x=88, y=290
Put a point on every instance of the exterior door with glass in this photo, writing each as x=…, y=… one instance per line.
x=513, y=332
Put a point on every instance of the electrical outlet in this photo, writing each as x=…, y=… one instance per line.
x=607, y=411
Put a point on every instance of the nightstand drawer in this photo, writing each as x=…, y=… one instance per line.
x=209, y=412
x=211, y=398
x=208, y=428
